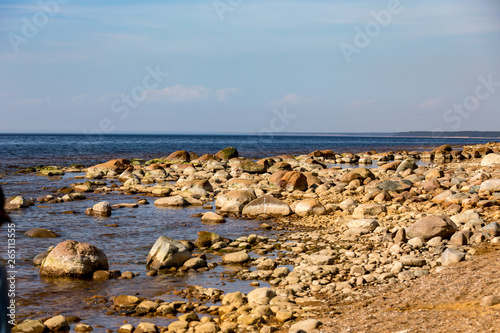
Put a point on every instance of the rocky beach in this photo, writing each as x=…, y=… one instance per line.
x=322, y=242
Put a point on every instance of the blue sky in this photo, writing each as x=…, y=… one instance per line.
x=232, y=66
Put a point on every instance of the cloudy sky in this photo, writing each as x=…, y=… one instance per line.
x=232, y=66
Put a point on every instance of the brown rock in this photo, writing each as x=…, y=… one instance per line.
x=73, y=259
x=293, y=180
x=432, y=226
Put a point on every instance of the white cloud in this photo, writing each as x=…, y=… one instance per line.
x=361, y=103
x=291, y=99
x=224, y=93
x=79, y=98
x=432, y=103
x=178, y=93
x=31, y=101
x=181, y=93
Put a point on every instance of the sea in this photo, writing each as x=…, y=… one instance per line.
x=127, y=236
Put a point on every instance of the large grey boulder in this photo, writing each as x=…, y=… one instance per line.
x=432, y=226
x=74, y=259
x=167, y=252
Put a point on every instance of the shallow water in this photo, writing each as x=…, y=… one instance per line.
x=126, y=247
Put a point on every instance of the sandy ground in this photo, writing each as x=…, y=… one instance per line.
x=447, y=301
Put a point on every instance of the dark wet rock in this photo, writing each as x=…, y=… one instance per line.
x=39, y=258
x=227, y=153
x=206, y=239
x=73, y=259
x=106, y=275
x=249, y=166
x=40, y=233
x=51, y=171
x=166, y=253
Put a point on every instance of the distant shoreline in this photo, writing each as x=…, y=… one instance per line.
x=486, y=135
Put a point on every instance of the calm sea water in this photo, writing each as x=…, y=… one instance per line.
x=134, y=230
x=29, y=150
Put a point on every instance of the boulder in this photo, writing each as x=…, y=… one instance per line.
x=40, y=233
x=249, y=166
x=73, y=259
x=227, y=153
x=409, y=163
x=29, y=326
x=198, y=183
x=491, y=160
x=293, y=180
x=260, y=296
x=358, y=173
x=309, y=207
x=395, y=185
x=146, y=328
x=368, y=209
x=57, y=323
x=276, y=177
x=451, y=256
x=175, y=201
x=492, y=185
x=432, y=226
x=194, y=263
x=307, y=326
x=312, y=179
x=367, y=224
x=242, y=196
x=16, y=203
x=267, y=204
x=178, y=156
x=102, y=208
x=211, y=217
x=167, y=252
x=236, y=258
x=116, y=165
x=465, y=217
x=206, y=239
